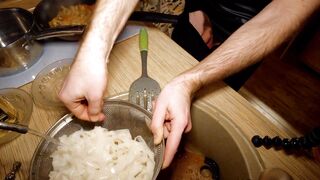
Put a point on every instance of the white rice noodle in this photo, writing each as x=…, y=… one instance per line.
x=102, y=154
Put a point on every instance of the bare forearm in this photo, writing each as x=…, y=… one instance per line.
x=280, y=20
x=108, y=19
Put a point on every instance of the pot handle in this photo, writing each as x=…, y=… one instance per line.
x=59, y=32
x=78, y=30
x=14, y=127
x=154, y=17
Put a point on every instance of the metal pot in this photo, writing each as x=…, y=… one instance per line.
x=19, y=48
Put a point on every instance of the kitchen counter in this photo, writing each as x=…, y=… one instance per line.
x=26, y=4
x=166, y=60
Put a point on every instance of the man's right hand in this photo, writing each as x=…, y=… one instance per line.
x=83, y=89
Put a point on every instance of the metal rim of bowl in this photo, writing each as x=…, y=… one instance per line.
x=54, y=129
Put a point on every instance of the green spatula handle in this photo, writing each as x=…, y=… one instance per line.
x=143, y=41
x=143, y=45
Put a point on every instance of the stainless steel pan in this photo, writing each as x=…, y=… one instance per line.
x=18, y=46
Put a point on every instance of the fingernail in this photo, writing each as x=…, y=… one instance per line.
x=102, y=117
x=155, y=139
x=164, y=165
x=95, y=118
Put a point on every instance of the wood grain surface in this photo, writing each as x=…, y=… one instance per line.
x=26, y=4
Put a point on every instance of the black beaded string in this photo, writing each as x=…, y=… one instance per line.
x=12, y=174
x=311, y=139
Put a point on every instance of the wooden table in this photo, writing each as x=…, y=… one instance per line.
x=26, y=4
x=166, y=60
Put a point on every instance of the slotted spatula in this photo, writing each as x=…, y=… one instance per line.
x=143, y=90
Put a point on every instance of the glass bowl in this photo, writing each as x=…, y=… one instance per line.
x=17, y=105
x=120, y=115
x=47, y=84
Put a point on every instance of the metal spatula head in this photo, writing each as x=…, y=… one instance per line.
x=144, y=90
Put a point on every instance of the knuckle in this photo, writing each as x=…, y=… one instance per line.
x=94, y=97
x=153, y=127
x=62, y=96
x=182, y=124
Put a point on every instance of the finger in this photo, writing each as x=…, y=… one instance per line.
x=172, y=144
x=157, y=121
x=153, y=103
x=168, y=125
x=76, y=107
x=102, y=117
x=178, y=125
x=79, y=110
x=96, y=118
x=189, y=127
x=95, y=108
x=165, y=132
x=207, y=36
x=210, y=43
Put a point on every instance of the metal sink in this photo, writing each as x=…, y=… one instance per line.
x=215, y=136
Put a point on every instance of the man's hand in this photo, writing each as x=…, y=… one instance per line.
x=83, y=89
x=171, y=116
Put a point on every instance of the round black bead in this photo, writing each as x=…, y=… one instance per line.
x=276, y=141
x=286, y=143
x=316, y=131
x=256, y=141
x=305, y=142
x=312, y=141
x=315, y=135
x=300, y=141
x=267, y=141
x=294, y=143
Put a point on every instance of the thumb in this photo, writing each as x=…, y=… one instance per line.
x=189, y=125
x=158, y=135
x=157, y=122
x=94, y=109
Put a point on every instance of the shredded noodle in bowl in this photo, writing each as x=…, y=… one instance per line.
x=79, y=14
x=102, y=154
